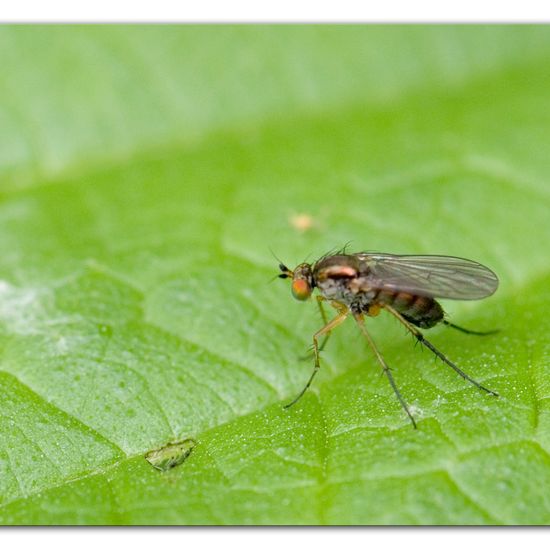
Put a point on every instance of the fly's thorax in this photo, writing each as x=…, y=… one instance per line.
x=335, y=289
x=339, y=265
x=338, y=278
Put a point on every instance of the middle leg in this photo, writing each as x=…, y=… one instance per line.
x=360, y=323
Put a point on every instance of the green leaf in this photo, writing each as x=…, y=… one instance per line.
x=146, y=173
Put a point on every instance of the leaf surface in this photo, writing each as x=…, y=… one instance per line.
x=146, y=173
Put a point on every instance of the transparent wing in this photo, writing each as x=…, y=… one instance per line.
x=434, y=276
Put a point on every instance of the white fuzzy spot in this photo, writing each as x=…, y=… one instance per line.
x=20, y=308
x=416, y=411
x=62, y=346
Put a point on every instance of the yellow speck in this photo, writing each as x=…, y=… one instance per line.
x=302, y=222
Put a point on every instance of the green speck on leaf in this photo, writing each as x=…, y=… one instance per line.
x=171, y=455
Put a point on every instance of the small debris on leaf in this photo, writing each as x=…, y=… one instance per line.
x=302, y=222
x=171, y=455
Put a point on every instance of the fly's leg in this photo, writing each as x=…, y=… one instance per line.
x=343, y=312
x=320, y=301
x=468, y=331
x=359, y=319
x=420, y=338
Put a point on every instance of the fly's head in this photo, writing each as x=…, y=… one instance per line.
x=302, y=280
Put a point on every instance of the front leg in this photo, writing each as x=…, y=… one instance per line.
x=320, y=301
x=343, y=312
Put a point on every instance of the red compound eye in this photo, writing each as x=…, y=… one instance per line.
x=301, y=289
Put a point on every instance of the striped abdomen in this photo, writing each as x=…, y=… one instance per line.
x=422, y=311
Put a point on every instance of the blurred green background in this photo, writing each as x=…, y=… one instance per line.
x=145, y=174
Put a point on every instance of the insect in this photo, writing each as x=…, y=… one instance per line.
x=406, y=286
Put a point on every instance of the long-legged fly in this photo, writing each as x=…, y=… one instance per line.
x=365, y=283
